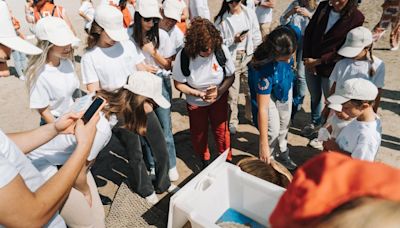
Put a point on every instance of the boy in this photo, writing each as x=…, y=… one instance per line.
x=362, y=137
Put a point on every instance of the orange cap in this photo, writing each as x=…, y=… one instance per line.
x=328, y=181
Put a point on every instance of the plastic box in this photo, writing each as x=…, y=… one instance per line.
x=219, y=187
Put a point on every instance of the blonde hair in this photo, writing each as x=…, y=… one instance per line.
x=37, y=62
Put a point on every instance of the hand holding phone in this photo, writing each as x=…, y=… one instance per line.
x=244, y=32
x=93, y=108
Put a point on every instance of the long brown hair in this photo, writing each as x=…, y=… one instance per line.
x=127, y=106
x=94, y=35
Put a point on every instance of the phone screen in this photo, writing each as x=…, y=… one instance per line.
x=92, y=109
x=244, y=32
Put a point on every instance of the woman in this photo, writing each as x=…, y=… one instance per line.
x=324, y=35
x=205, y=82
x=241, y=34
x=390, y=16
x=158, y=50
x=51, y=77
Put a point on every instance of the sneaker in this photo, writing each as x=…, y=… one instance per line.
x=173, y=189
x=317, y=144
x=232, y=129
x=173, y=174
x=152, y=199
x=285, y=160
x=395, y=48
x=309, y=130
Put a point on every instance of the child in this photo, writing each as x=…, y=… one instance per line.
x=274, y=93
x=86, y=11
x=362, y=137
x=264, y=15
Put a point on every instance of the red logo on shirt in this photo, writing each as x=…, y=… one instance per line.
x=215, y=67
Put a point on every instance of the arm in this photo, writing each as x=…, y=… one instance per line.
x=185, y=14
x=184, y=88
x=29, y=14
x=378, y=100
x=226, y=84
x=268, y=4
x=92, y=87
x=263, y=105
x=202, y=8
x=81, y=184
x=46, y=114
x=164, y=62
x=82, y=14
x=34, y=209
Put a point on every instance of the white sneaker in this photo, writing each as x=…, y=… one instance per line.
x=173, y=188
x=317, y=144
x=173, y=174
x=152, y=199
x=395, y=48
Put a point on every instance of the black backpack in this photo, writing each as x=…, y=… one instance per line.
x=185, y=61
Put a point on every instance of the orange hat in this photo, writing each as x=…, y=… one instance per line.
x=328, y=181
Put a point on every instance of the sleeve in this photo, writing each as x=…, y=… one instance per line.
x=202, y=8
x=230, y=64
x=176, y=70
x=366, y=148
x=227, y=37
x=8, y=171
x=307, y=42
x=137, y=54
x=89, y=74
x=264, y=86
x=379, y=77
x=255, y=30
x=167, y=49
x=39, y=95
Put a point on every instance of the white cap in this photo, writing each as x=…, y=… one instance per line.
x=8, y=36
x=173, y=9
x=55, y=30
x=111, y=20
x=335, y=107
x=148, y=8
x=356, y=40
x=355, y=88
x=148, y=85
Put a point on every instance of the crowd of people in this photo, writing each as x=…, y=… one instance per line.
x=137, y=50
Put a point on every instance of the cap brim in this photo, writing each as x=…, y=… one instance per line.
x=337, y=99
x=335, y=107
x=172, y=16
x=64, y=41
x=21, y=45
x=350, y=52
x=151, y=14
x=162, y=102
x=118, y=35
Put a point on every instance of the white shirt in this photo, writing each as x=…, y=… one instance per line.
x=361, y=139
x=337, y=124
x=204, y=72
x=108, y=2
x=296, y=19
x=347, y=69
x=177, y=39
x=199, y=8
x=250, y=4
x=54, y=88
x=166, y=49
x=333, y=18
x=264, y=15
x=57, y=151
x=14, y=162
x=88, y=10
x=110, y=66
x=239, y=24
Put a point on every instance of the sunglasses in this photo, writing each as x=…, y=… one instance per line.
x=237, y=1
x=154, y=19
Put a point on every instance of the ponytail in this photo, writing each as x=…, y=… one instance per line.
x=372, y=70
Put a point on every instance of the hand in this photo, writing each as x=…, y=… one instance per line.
x=331, y=145
x=200, y=94
x=311, y=63
x=303, y=12
x=265, y=155
x=211, y=94
x=239, y=38
x=84, y=133
x=149, y=48
x=150, y=68
x=65, y=124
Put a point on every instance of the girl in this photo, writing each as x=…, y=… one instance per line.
x=241, y=34
x=51, y=77
x=205, y=83
x=274, y=93
x=158, y=51
x=86, y=11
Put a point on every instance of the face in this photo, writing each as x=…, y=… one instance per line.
x=105, y=40
x=338, y=5
x=148, y=23
x=352, y=110
x=62, y=52
x=234, y=4
x=206, y=52
x=342, y=115
x=167, y=23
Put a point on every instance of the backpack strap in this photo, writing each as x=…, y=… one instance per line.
x=221, y=59
x=185, y=61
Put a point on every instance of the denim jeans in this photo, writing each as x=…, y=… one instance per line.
x=317, y=85
x=20, y=62
x=300, y=84
x=164, y=116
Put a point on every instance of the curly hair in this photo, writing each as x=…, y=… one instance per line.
x=201, y=35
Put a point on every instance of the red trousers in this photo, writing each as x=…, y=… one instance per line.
x=215, y=114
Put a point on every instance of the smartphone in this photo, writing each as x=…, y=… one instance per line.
x=244, y=32
x=98, y=101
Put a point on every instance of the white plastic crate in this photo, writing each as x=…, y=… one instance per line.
x=219, y=187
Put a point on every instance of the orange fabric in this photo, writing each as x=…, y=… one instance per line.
x=328, y=181
x=127, y=17
x=182, y=26
x=47, y=10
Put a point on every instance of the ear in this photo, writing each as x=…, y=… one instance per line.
x=365, y=106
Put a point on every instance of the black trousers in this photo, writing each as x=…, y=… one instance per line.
x=139, y=179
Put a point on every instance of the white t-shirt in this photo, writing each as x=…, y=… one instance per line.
x=361, y=139
x=14, y=162
x=54, y=88
x=337, y=124
x=177, y=39
x=204, y=72
x=264, y=15
x=199, y=8
x=347, y=69
x=250, y=4
x=110, y=66
x=166, y=49
x=333, y=18
x=239, y=23
x=109, y=2
x=88, y=10
x=57, y=151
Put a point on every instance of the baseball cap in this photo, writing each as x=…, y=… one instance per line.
x=55, y=30
x=8, y=36
x=148, y=8
x=148, y=85
x=173, y=9
x=355, y=88
x=356, y=40
x=111, y=20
